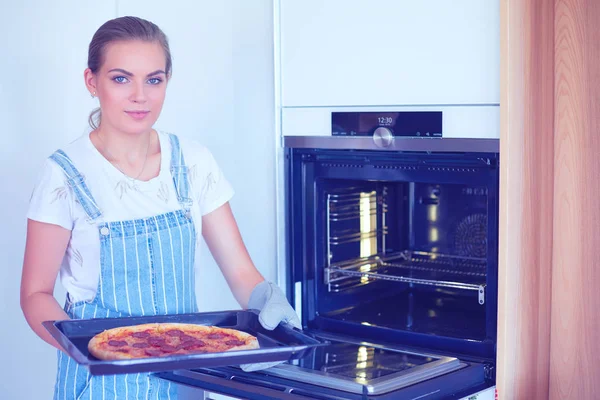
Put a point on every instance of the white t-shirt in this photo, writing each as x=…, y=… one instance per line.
x=53, y=202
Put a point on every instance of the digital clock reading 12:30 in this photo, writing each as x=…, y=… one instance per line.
x=385, y=121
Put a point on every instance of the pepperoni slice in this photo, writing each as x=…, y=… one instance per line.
x=117, y=343
x=156, y=342
x=186, y=338
x=235, y=342
x=153, y=352
x=175, y=332
x=168, y=348
x=189, y=345
x=141, y=345
x=140, y=335
x=216, y=336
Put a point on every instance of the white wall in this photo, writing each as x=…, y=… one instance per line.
x=221, y=94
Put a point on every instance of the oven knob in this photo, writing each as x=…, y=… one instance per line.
x=383, y=137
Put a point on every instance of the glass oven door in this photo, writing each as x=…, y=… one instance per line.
x=359, y=367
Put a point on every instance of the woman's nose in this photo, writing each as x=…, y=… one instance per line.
x=138, y=95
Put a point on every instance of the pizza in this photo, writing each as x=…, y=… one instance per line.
x=167, y=339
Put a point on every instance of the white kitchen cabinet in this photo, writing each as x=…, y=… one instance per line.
x=389, y=52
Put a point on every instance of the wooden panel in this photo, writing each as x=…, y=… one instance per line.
x=526, y=151
x=575, y=348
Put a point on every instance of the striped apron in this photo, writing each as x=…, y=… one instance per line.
x=147, y=268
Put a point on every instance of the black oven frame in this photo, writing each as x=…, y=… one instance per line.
x=434, y=160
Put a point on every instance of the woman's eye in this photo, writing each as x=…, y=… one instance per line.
x=154, y=81
x=120, y=79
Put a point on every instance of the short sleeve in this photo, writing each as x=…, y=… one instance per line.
x=211, y=188
x=51, y=200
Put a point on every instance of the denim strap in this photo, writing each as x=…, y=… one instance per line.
x=180, y=174
x=76, y=181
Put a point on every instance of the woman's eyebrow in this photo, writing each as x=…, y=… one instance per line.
x=121, y=71
x=157, y=72
x=124, y=72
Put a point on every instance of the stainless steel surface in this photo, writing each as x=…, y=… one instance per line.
x=400, y=267
x=382, y=137
x=398, y=144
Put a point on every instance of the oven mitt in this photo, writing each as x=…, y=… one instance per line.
x=274, y=308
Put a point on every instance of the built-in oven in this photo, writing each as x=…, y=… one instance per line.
x=392, y=247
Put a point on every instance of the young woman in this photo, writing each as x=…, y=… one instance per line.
x=118, y=213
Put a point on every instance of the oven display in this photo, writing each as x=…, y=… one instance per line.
x=385, y=121
x=403, y=123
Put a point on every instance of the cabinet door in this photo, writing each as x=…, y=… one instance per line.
x=389, y=52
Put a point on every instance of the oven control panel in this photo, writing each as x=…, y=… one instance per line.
x=384, y=126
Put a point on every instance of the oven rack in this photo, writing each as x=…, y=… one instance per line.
x=347, y=207
x=349, y=195
x=351, y=236
x=419, y=268
x=354, y=206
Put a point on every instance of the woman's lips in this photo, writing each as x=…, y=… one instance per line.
x=137, y=115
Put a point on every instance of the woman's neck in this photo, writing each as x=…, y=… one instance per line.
x=121, y=147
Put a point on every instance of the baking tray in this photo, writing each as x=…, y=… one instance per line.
x=284, y=343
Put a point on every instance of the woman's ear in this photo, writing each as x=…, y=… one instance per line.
x=90, y=81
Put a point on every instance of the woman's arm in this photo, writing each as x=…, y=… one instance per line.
x=223, y=238
x=44, y=251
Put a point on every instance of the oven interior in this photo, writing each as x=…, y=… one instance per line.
x=402, y=250
x=409, y=256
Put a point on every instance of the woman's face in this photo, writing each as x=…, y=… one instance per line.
x=131, y=85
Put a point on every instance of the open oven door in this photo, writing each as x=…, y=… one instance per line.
x=348, y=369
x=467, y=383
